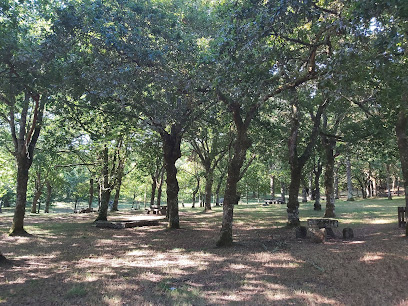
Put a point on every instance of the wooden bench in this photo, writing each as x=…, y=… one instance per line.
x=156, y=210
x=401, y=216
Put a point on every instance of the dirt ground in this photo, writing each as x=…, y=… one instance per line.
x=68, y=261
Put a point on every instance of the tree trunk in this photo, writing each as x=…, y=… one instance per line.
x=349, y=183
x=195, y=191
x=91, y=192
x=209, y=179
x=115, y=205
x=105, y=187
x=329, y=145
x=217, y=190
x=153, y=193
x=231, y=197
x=389, y=193
x=317, y=194
x=17, y=228
x=272, y=186
x=402, y=140
x=293, y=202
x=160, y=188
x=48, y=200
x=172, y=152
x=37, y=193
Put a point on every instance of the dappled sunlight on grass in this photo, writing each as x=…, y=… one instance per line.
x=370, y=257
x=266, y=265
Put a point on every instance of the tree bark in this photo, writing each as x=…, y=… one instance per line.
x=160, y=188
x=48, y=200
x=195, y=191
x=217, y=190
x=153, y=192
x=293, y=202
x=349, y=182
x=209, y=179
x=105, y=187
x=317, y=194
x=37, y=192
x=402, y=140
x=17, y=228
x=172, y=152
x=389, y=193
x=329, y=145
x=272, y=186
x=231, y=197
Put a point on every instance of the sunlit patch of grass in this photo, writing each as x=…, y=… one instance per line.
x=371, y=257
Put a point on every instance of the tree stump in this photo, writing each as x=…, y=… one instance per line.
x=348, y=233
x=301, y=232
x=317, y=235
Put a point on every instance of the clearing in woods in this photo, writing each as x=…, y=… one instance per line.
x=68, y=261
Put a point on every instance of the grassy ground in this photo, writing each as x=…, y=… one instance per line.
x=68, y=261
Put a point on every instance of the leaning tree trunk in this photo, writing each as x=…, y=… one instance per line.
x=160, y=188
x=402, y=139
x=105, y=187
x=48, y=200
x=231, y=197
x=329, y=145
x=349, y=183
x=172, y=152
x=17, y=228
x=195, y=191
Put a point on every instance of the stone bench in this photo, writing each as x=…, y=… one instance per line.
x=325, y=223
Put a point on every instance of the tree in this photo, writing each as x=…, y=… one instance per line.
x=27, y=66
x=210, y=144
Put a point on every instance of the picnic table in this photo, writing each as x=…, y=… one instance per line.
x=273, y=201
x=157, y=210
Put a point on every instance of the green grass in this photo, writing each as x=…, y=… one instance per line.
x=76, y=291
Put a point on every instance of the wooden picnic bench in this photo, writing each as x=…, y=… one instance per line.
x=401, y=216
x=156, y=210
